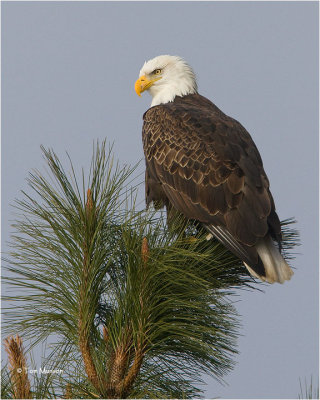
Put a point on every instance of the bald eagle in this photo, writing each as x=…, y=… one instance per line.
x=204, y=164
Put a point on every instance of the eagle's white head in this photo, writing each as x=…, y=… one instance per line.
x=166, y=77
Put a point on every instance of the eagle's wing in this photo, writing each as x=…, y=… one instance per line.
x=207, y=166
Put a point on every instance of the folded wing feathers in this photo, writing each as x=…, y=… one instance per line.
x=209, y=168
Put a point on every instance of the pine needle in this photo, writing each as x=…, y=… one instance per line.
x=17, y=367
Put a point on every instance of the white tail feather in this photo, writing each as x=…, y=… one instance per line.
x=276, y=268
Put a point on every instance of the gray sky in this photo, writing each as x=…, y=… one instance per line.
x=68, y=73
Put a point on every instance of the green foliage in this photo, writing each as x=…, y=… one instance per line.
x=6, y=387
x=127, y=321
x=309, y=391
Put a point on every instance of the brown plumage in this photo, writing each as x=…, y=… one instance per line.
x=205, y=165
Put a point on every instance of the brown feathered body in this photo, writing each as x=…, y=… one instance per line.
x=205, y=165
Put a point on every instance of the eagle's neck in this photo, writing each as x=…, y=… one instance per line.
x=166, y=93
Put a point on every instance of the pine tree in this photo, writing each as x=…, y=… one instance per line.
x=134, y=310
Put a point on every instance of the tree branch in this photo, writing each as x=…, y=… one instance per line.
x=18, y=367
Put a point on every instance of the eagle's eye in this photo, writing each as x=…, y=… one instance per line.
x=157, y=71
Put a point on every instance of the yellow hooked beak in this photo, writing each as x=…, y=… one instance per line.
x=143, y=83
